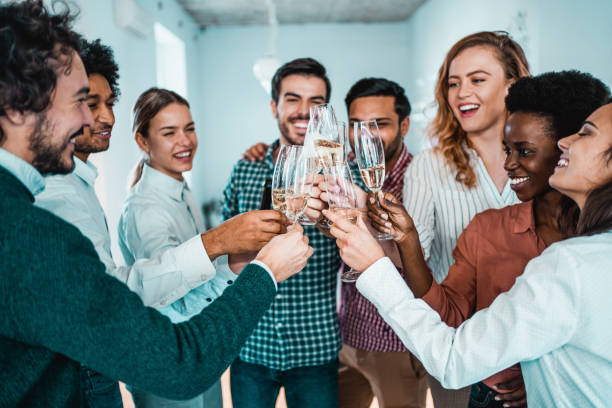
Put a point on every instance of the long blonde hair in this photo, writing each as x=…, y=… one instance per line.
x=445, y=129
x=148, y=104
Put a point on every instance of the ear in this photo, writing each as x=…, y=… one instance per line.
x=274, y=109
x=16, y=117
x=404, y=126
x=142, y=142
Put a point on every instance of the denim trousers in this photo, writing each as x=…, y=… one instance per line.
x=482, y=396
x=211, y=398
x=99, y=391
x=257, y=386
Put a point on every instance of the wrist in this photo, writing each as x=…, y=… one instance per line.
x=213, y=243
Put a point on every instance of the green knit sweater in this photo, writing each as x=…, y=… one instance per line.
x=61, y=309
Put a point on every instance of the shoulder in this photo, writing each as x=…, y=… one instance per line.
x=427, y=162
x=498, y=217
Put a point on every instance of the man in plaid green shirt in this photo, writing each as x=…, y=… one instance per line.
x=296, y=343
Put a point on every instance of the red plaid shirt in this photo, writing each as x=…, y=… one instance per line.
x=360, y=324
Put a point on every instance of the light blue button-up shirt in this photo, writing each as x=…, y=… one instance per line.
x=159, y=281
x=158, y=215
x=24, y=171
x=555, y=321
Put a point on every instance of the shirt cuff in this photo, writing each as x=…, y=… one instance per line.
x=267, y=269
x=193, y=261
x=383, y=285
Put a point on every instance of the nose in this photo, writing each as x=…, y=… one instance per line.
x=566, y=142
x=464, y=90
x=304, y=108
x=511, y=164
x=106, y=116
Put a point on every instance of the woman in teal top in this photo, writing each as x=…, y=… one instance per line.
x=555, y=319
x=160, y=212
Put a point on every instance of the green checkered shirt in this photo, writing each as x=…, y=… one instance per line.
x=301, y=327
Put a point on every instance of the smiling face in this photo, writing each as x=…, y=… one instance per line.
x=297, y=94
x=171, y=141
x=531, y=154
x=381, y=109
x=52, y=140
x=477, y=87
x=100, y=101
x=585, y=159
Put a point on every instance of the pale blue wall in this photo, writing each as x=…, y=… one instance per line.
x=232, y=110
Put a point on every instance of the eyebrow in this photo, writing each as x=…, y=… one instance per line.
x=176, y=127
x=478, y=71
x=586, y=122
x=376, y=119
x=83, y=90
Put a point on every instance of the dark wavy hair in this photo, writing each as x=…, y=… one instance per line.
x=380, y=87
x=300, y=66
x=99, y=59
x=35, y=43
x=564, y=100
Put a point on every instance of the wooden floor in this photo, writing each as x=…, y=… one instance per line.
x=227, y=398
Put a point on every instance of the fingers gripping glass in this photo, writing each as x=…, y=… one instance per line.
x=343, y=201
x=370, y=155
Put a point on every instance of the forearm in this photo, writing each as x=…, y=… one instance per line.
x=416, y=272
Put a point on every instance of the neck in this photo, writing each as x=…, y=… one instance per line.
x=82, y=156
x=547, y=208
x=488, y=141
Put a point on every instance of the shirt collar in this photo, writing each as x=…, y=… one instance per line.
x=524, y=219
x=269, y=158
x=159, y=181
x=401, y=164
x=86, y=171
x=24, y=171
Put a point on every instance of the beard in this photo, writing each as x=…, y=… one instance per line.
x=48, y=156
x=286, y=133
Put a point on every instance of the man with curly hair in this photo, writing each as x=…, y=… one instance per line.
x=61, y=309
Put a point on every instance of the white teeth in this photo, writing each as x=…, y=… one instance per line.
x=468, y=107
x=183, y=155
x=518, y=180
x=562, y=163
x=300, y=125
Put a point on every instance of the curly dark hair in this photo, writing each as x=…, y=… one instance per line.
x=32, y=41
x=380, y=87
x=99, y=59
x=564, y=98
x=300, y=66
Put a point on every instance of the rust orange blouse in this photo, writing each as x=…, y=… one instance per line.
x=490, y=254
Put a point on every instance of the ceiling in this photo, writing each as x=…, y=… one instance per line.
x=253, y=12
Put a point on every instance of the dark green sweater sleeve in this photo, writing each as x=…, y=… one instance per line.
x=60, y=298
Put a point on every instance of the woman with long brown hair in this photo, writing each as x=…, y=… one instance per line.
x=446, y=186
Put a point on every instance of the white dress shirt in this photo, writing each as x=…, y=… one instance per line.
x=441, y=207
x=158, y=281
x=160, y=215
x=555, y=321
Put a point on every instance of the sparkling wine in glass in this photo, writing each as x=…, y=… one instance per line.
x=278, y=181
x=298, y=182
x=343, y=201
x=370, y=155
x=325, y=136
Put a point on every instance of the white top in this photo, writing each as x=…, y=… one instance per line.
x=441, y=207
x=159, y=215
x=555, y=321
x=158, y=281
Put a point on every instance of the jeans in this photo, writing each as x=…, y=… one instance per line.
x=211, y=398
x=256, y=386
x=99, y=391
x=482, y=396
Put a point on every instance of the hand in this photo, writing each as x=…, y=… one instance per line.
x=257, y=152
x=358, y=248
x=361, y=195
x=315, y=204
x=286, y=254
x=391, y=217
x=245, y=232
x=516, y=398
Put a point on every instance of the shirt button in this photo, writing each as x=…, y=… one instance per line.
x=163, y=302
x=229, y=282
x=203, y=278
x=208, y=299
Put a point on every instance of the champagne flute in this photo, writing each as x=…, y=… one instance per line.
x=278, y=180
x=298, y=182
x=325, y=135
x=343, y=201
x=370, y=155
